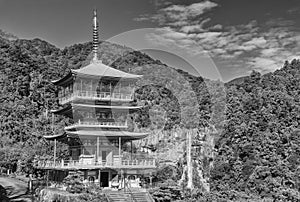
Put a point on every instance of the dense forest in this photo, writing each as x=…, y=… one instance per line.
x=257, y=147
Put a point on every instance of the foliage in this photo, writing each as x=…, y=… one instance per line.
x=166, y=194
x=74, y=183
x=257, y=152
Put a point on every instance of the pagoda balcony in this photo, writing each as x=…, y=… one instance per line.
x=89, y=124
x=93, y=164
x=92, y=95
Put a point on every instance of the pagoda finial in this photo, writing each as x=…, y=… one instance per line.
x=95, y=36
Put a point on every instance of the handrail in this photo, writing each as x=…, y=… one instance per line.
x=93, y=162
x=131, y=194
x=107, y=198
x=97, y=123
x=95, y=95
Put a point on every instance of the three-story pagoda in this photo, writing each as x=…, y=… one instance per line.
x=99, y=99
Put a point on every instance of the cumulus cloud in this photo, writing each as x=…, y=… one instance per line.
x=179, y=15
x=261, y=46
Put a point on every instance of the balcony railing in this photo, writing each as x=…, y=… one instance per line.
x=77, y=164
x=95, y=96
x=98, y=124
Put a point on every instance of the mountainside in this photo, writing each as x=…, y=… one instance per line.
x=27, y=95
x=258, y=151
x=257, y=146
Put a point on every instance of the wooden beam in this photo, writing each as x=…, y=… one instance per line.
x=98, y=151
x=120, y=160
x=91, y=85
x=99, y=178
x=131, y=150
x=54, y=152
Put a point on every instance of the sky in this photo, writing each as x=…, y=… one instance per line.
x=220, y=39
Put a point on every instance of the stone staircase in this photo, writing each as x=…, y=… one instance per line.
x=118, y=196
x=140, y=195
x=131, y=195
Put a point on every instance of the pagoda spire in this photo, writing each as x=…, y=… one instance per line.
x=95, y=37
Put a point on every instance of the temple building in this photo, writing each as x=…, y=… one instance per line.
x=99, y=99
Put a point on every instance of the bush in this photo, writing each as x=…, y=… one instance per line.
x=166, y=194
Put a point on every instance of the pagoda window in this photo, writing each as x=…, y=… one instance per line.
x=86, y=85
x=100, y=85
x=94, y=85
x=115, y=143
x=81, y=84
x=101, y=115
x=109, y=116
x=105, y=86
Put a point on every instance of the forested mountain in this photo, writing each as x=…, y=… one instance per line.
x=257, y=150
x=27, y=68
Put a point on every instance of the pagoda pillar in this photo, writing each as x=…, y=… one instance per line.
x=120, y=159
x=99, y=178
x=97, y=154
x=91, y=85
x=131, y=150
x=54, y=155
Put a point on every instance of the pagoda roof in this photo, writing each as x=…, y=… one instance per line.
x=57, y=136
x=68, y=108
x=99, y=133
x=96, y=69
x=109, y=134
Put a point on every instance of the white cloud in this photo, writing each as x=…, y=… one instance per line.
x=200, y=8
x=194, y=28
x=257, y=41
x=261, y=46
x=179, y=15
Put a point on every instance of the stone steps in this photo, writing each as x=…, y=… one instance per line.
x=118, y=196
x=134, y=195
x=141, y=197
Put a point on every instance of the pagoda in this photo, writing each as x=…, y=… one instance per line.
x=99, y=99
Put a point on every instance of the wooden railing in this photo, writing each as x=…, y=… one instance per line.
x=98, y=124
x=95, y=96
x=67, y=164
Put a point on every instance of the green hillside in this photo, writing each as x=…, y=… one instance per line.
x=257, y=146
x=258, y=151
